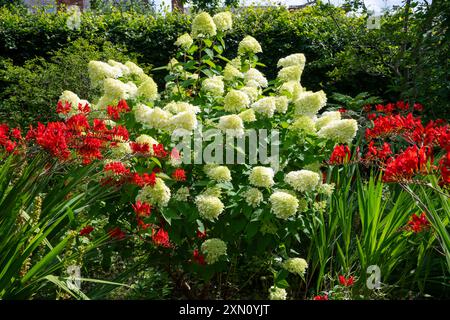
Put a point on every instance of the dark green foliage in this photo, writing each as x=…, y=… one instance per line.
x=212, y=6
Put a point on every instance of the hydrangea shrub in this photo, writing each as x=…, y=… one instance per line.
x=205, y=215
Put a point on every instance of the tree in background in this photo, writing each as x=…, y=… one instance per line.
x=4, y=3
x=204, y=5
x=123, y=5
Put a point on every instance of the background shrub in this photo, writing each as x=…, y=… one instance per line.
x=30, y=91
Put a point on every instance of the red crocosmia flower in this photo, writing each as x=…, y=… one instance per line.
x=444, y=166
x=342, y=110
x=201, y=235
x=113, y=112
x=156, y=170
x=407, y=164
x=84, y=108
x=16, y=134
x=116, y=167
x=140, y=147
x=381, y=154
x=367, y=108
x=99, y=125
x=142, y=209
x=142, y=225
x=53, y=137
x=418, y=107
x=123, y=106
x=90, y=148
x=86, y=230
x=4, y=129
x=198, y=258
x=389, y=108
x=136, y=179
x=401, y=105
x=63, y=108
x=78, y=123
x=119, y=133
x=417, y=223
x=340, y=155
x=179, y=175
x=143, y=180
x=321, y=297
x=117, y=233
x=158, y=150
x=149, y=179
x=371, y=116
x=10, y=146
x=391, y=125
x=379, y=108
x=161, y=238
x=346, y=282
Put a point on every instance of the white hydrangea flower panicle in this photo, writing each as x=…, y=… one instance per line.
x=134, y=69
x=123, y=68
x=71, y=98
x=326, y=117
x=179, y=106
x=303, y=124
x=121, y=150
x=209, y=206
x=292, y=73
x=184, y=41
x=223, y=21
x=276, y=293
x=249, y=45
x=218, y=173
x=203, y=26
x=296, y=265
x=248, y=115
x=232, y=125
x=182, y=194
x=339, y=131
x=148, y=89
x=253, y=77
x=281, y=104
x=262, y=177
x=252, y=92
x=253, y=197
x=265, y=106
x=283, y=204
x=291, y=89
x=186, y=120
x=303, y=180
x=230, y=72
x=309, y=103
x=158, y=194
x=214, y=249
x=99, y=71
x=156, y=118
x=214, y=86
x=296, y=59
x=236, y=101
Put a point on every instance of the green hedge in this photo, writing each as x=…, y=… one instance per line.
x=312, y=31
